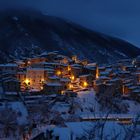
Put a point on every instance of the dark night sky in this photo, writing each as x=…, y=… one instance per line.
x=120, y=18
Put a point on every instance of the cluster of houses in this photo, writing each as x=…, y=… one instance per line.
x=122, y=77
x=51, y=73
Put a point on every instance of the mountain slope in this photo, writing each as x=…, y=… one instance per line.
x=25, y=34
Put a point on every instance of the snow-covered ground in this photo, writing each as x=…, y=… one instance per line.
x=77, y=129
x=88, y=106
x=87, y=100
x=18, y=107
x=134, y=107
x=61, y=107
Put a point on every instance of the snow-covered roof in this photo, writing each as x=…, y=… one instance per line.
x=92, y=64
x=129, y=84
x=109, y=69
x=85, y=75
x=103, y=77
x=53, y=52
x=104, y=73
x=43, y=54
x=65, y=80
x=76, y=65
x=132, y=87
x=9, y=79
x=50, y=63
x=137, y=73
x=108, y=84
x=115, y=79
x=12, y=80
x=35, y=69
x=53, y=77
x=101, y=67
x=55, y=84
x=91, y=67
x=20, y=62
x=136, y=90
x=21, y=72
x=49, y=69
x=129, y=66
x=124, y=72
x=9, y=65
x=11, y=93
x=1, y=90
x=115, y=116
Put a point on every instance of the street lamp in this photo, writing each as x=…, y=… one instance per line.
x=85, y=84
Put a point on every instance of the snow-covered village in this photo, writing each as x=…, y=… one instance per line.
x=69, y=70
x=55, y=97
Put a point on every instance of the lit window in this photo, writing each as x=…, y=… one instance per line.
x=58, y=73
x=85, y=84
x=27, y=81
x=72, y=77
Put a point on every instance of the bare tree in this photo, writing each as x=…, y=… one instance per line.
x=133, y=132
x=40, y=113
x=111, y=101
x=8, y=119
x=96, y=131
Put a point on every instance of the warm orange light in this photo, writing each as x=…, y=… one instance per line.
x=72, y=77
x=29, y=62
x=74, y=58
x=97, y=73
x=62, y=92
x=97, y=76
x=85, y=84
x=42, y=80
x=123, y=89
x=69, y=68
x=41, y=88
x=27, y=81
x=70, y=86
x=58, y=73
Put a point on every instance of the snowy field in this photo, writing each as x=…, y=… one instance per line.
x=74, y=130
x=134, y=107
x=88, y=107
x=87, y=100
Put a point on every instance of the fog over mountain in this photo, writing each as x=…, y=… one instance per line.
x=117, y=18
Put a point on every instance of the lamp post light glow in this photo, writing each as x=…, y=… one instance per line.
x=72, y=78
x=85, y=84
x=62, y=92
x=27, y=81
x=42, y=81
x=70, y=86
x=58, y=73
x=97, y=73
x=41, y=88
x=69, y=68
x=27, y=84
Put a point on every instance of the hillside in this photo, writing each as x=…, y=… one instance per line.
x=25, y=34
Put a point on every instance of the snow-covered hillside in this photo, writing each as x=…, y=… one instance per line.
x=29, y=33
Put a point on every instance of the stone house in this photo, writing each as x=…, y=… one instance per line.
x=53, y=88
x=83, y=79
x=10, y=67
x=11, y=85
